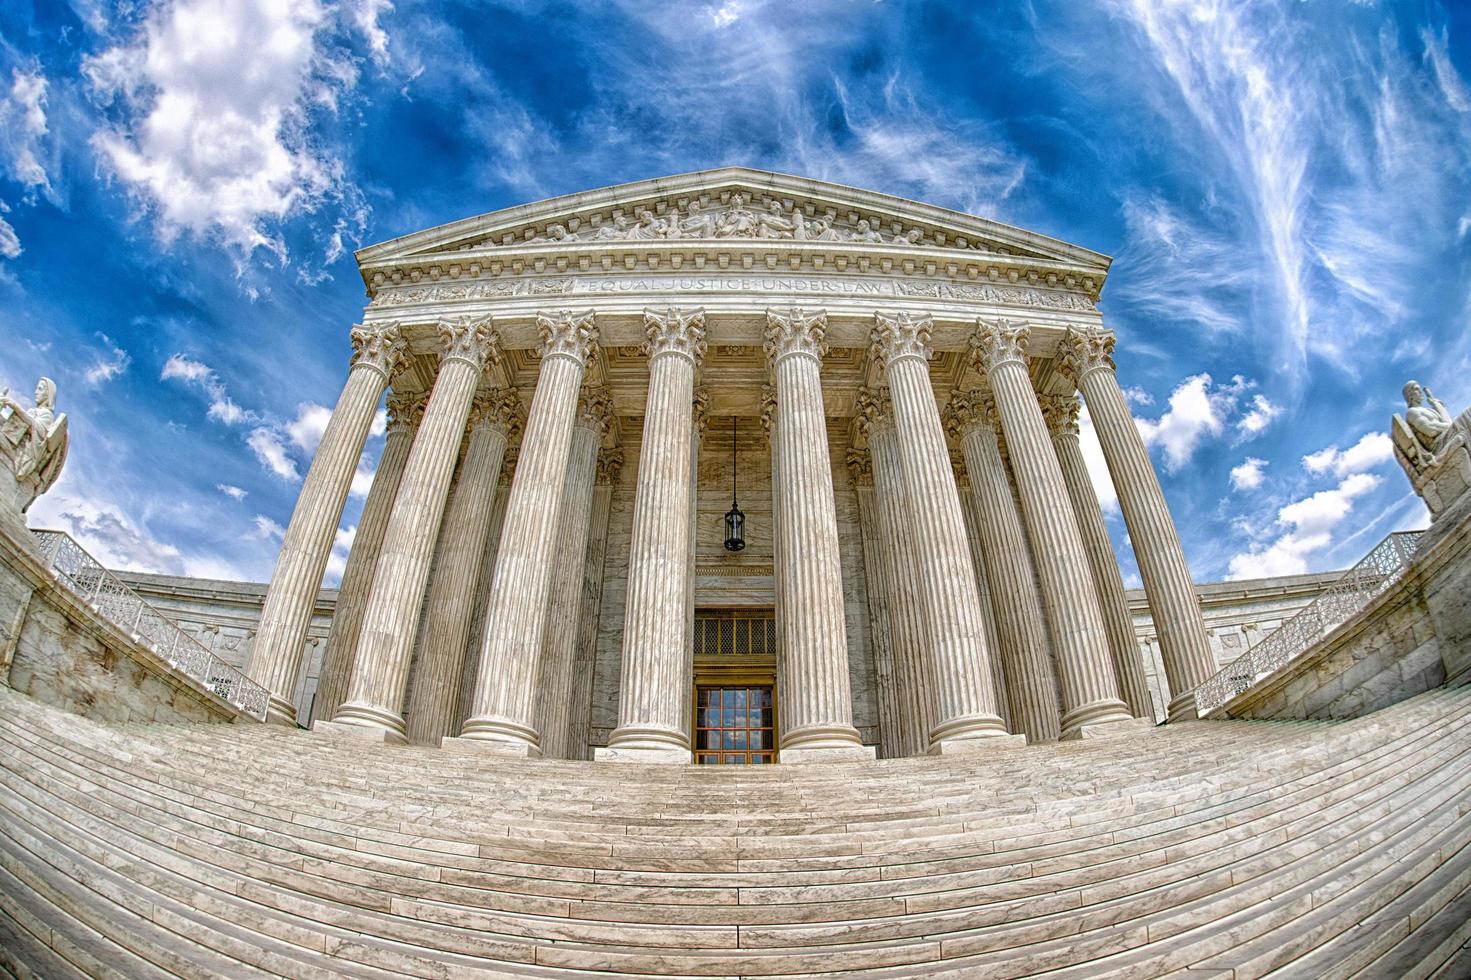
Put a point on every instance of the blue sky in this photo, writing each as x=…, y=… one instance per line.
x=1285, y=186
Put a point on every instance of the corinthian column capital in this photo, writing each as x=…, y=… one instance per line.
x=405, y=411
x=1085, y=350
x=768, y=409
x=610, y=466
x=1060, y=412
x=380, y=347
x=674, y=331
x=469, y=339
x=875, y=409
x=860, y=467
x=701, y=410
x=968, y=411
x=795, y=332
x=501, y=408
x=567, y=333
x=595, y=410
x=998, y=342
x=901, y=335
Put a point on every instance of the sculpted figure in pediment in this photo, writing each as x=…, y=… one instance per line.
x=699, y=222
x=648, y=228
x=738, y=222
x=774, y=222
x=616, y=229
x=865, y=233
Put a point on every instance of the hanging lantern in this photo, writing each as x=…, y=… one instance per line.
x=735, y=520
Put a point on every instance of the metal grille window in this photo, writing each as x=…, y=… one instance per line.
x=735, y=633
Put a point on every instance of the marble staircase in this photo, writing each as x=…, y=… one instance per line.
x=1208, y=849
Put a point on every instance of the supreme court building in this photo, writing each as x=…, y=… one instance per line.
x=730, y=467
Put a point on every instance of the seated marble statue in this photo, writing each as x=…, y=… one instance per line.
x=1426, y=415
x=33, y=443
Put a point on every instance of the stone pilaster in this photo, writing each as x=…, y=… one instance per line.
x=655, y=683
x=404, y=414
x=610, y=464
x=817, y=706
x=444, y=633
x=515, y=630
x=1021, y=628
x=1088, y=359
x=380, y=673
x=1061, y=415
x=966, y=714
x=1085, y=666
x=564, y=605
x=275, y=656
x=876, y=585
x=908, y=629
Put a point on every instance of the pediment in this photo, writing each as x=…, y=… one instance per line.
x=727, y=207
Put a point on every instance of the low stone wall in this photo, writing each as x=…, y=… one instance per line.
x=1414, y=636
x=56, y=649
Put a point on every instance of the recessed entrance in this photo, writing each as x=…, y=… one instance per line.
x=735, y=687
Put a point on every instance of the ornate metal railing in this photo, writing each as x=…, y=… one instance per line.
x=1374, y=573
x=85, y=577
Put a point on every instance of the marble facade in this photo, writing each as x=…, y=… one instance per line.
x=828, y=335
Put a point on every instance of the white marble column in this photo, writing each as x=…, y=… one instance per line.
x=816, y=702
x=380, y=673
x=501, y=722
x=1061, y=414
x=964, y=698
x=1021, y=627
x=275, y=656
x=656, y=676
x=908, y=629
x=700, y=421
x=1088, y=358
x=876, y=586
x=483, y=582
x=983, y=588
x=569, y=563
x=610, y=465
x=1091, y=703
x=444, y=632
x=404, y=414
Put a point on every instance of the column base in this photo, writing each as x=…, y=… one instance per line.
x=800, y=755
x=1182, y=708
x=490, y=746
x=962, y=746
x=646, y=755
x=969, y=728
x=363, y=733
x=1109, y=729
x=1106, y=712
x=281, y=712
x=358, y=714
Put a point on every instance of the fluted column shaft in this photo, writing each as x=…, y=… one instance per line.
x=655, y=678
x=1020, y=626
x=988, y=616
x=564, y=604
x=610, y=463
x=963, y=696
x=701, y=418
x=515, y=627
x=876, y=586
x=1062, y=417
x=816, y=701
x=1173, y=604
x=275, y=655
x=444, y=634
x=1085, y=666
x=908, y=631
x=362, y=560
x=380, y=673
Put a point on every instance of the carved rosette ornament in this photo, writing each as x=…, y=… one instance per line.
x=469, y=339
x=405, y=411
x=567, y=333
x=998, y=342
x=901, y=335
x=595, y=410
x=674, y=331
x=1084, y=351
x=501, y=407
x=610, y=467
x=1060, y=412
x=381, y=347
x=795, y=332
x=860, y=467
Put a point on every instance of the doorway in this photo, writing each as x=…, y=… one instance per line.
x=735, y=709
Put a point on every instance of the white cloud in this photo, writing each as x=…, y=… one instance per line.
x=111, y=537
x=1249, y=474
x=1108, y=497
x=380, y=423
x=337, y=558
x=180, y=367
x=22, y=129
x=1372, y=449
x=9, y=240
x=267, y=529
x=231, y=491
x=271, y=453
x=213, y=108
x=307, y=428
x=1309, y=525
x=108, y=364
x=1198, y=409
x=1261, y=415
x=726, y=14
x=1136, y=395
x=362, y=479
